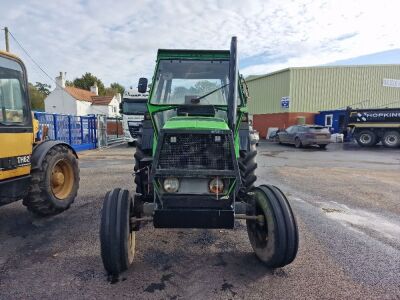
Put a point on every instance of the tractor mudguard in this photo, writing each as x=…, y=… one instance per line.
x=40, y=151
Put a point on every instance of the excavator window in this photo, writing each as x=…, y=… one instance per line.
x=12, y=95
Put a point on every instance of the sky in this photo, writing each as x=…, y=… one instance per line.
x=118, y=40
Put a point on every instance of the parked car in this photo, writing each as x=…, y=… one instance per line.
x=305, y=135
x=273, y=136
x=254, y=135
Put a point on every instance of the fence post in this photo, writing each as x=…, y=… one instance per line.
x=69, y=130
x=81, y=130
x=94, y=121
x=116, y=121
x=55, y=126
x=88, y=130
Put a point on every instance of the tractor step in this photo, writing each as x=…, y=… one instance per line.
x=184, y=218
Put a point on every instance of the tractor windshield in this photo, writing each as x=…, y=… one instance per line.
x=180, y=82
x=12, y=94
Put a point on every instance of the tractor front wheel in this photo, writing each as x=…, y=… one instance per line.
x=275, y=239
x=117, y=239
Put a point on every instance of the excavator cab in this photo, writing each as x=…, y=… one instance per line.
x=44, y=174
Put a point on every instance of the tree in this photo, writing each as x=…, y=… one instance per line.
x=205, y=86
x=87, y=80
x=117, y=87
x=43, y=88
x=36, y=97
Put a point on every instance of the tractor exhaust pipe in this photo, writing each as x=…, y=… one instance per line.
x=233, y=84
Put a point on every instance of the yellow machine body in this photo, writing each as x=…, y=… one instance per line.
x=17, y=124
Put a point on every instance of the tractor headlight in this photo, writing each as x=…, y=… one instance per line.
x=171, y=184
x=216, y=186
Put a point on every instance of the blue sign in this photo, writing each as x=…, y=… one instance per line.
x=285, y=102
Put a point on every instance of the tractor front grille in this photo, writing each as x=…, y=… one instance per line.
x=197, y=151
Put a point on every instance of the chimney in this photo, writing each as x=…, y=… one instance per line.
x=118, y=96
x=60, y=80
x=95, y=89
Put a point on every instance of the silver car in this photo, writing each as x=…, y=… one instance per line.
x=305, y=135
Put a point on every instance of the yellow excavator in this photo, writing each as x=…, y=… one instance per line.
x=44, y=173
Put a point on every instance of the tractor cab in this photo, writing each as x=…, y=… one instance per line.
x=195, y=86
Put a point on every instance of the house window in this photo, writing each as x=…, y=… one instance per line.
x=328, y=120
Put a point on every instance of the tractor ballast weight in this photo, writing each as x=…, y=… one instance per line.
x=195, y=163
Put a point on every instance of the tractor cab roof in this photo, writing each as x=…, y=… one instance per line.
x=193, y=54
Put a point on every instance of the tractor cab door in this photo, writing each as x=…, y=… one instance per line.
x=16, y=132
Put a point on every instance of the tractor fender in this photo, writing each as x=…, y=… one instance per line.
x=40, y=151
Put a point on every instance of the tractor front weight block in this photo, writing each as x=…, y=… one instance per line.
x=201, y=218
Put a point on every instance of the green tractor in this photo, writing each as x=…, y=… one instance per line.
x=195, y=163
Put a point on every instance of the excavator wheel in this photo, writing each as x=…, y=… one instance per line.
x=55, y=184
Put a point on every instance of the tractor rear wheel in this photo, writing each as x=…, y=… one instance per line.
x=143, y=191
x=55, y=184
x=247, y=165
x=275, y=240
x=117, y=240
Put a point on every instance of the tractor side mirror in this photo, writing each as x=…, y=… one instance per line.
x=142, y=85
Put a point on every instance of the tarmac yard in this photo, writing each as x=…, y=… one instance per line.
x=346, y=201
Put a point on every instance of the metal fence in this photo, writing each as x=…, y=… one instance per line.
x=78, y=131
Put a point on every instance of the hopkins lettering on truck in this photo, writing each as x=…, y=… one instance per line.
x=375, y=115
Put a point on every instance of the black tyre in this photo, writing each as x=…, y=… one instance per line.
x=323, y=146
x=247, y=166
x=391, y=139
x=117, y=240
x=55, y=185
x=366, y=138
x=143, y=190
x=275, y=241
x=298, y=143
